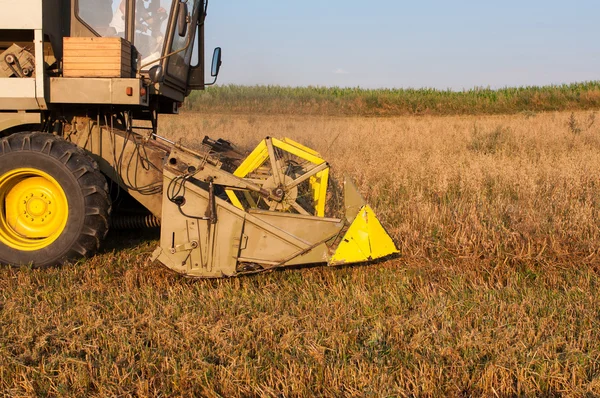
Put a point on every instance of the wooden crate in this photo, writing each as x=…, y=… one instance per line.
x=96, y=57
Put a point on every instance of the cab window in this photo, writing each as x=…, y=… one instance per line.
x=105, y=17
x=152, y=20
x=179, y=63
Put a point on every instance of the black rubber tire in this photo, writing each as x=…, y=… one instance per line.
x=84, y=185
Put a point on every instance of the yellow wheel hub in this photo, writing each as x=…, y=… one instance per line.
x=34, y=209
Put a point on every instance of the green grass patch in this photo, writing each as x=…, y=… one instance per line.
x=393, y=102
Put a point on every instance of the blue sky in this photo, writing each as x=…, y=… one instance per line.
x=426, y=43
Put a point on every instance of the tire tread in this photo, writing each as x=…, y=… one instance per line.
x=92, y=183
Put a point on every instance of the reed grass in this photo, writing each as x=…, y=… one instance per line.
x=336, y=101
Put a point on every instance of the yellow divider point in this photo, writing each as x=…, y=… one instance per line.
x=365, y=240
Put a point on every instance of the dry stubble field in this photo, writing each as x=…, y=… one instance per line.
x=495, y=294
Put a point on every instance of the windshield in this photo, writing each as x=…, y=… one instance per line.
x=179, y=63
x=152, y=19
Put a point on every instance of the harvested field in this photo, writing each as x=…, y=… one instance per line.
x=495, y=293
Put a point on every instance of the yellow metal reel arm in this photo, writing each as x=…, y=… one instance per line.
x=317, y=175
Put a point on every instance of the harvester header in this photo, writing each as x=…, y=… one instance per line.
x=82, y=85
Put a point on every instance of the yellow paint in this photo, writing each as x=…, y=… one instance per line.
x=259, y=156
x=300, y=146
x=301, y=153
x=365, y=240
x=319, y=184
x=35, y=209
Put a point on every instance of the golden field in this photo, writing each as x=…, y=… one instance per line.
x=504, y=188
x=495, y=293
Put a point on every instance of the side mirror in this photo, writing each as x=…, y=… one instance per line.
x=182, y=20
x=156, y=74
x=216, y=62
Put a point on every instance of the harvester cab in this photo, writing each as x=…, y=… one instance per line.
x=82, y=85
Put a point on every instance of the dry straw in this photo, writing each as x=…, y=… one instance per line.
x=495, y=293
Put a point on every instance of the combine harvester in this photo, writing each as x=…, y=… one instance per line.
x=82, y=83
